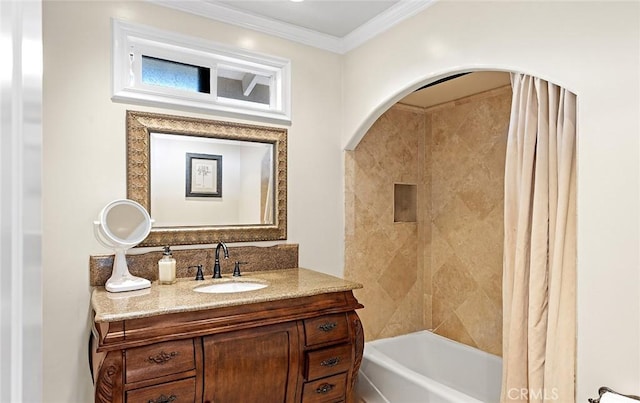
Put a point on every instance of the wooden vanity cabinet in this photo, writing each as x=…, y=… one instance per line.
x=294, y=350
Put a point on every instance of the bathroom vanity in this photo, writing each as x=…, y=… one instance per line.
x=297, y=340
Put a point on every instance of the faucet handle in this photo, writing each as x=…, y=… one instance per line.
x=199, y=274
x=236, y=269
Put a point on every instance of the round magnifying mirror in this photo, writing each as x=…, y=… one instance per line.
x=123, y=224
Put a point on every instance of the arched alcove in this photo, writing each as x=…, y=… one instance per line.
x=442, y=269
x=554, y=41
x=425, y=80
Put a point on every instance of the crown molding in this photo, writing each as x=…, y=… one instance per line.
x=254, y=22
x=383, y=21
x=390, y=17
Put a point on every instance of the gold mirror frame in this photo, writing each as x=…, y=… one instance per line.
x=139, y=127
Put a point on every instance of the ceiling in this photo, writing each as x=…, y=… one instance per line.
x=336, y=26
x=335, y=18
x=460, y=87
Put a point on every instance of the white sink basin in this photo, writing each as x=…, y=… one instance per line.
x=225, y=288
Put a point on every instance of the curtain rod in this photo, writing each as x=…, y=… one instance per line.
x=442, y=80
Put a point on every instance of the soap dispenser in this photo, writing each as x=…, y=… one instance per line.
x=167, y=267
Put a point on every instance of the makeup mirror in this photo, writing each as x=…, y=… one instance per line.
x=123, y=224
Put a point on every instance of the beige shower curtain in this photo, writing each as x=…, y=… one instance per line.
x=539, y=278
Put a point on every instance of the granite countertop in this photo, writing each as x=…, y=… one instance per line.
x=180, y=297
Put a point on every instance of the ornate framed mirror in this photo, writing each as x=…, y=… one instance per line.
x=175, y=162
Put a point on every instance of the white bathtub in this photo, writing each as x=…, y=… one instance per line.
x=423, y=367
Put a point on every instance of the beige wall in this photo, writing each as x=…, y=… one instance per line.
x=555, y=41
x=449, y=263
x=84, y=161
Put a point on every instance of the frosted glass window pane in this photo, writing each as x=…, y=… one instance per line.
x=181, y=76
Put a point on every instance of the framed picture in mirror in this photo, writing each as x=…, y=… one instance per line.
x=203, y=175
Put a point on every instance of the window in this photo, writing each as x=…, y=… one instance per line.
x=172, y=74
x=166, y=69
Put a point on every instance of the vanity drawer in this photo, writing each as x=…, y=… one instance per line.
x=331, y=389
x=328, y=361
x=326, y=329
x=159, y=359
x=183, y=391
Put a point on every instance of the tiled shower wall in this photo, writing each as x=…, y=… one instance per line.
x=455, y=154
x=381, y=254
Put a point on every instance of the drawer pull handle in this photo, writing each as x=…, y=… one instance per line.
x=163, y=399
x=331, y=362
x=162, y=357
x=327, y=327
x=325, y=388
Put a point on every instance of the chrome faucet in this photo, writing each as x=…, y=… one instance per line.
x=216, y=264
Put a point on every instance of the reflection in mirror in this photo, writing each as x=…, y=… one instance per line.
x=246, y=175
x=205, y=181
x=125, y=223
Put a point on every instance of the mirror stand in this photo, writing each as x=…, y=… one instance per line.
x=121, y=279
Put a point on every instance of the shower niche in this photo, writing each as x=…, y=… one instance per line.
x=405, y=202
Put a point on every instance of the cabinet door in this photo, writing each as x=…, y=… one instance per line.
x=255, y=365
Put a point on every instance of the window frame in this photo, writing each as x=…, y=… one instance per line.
x=131, y=41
